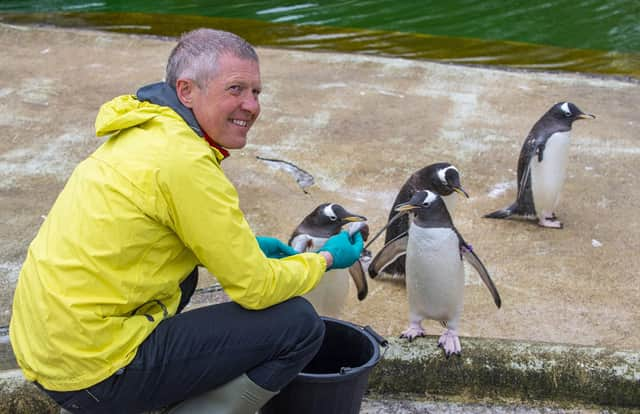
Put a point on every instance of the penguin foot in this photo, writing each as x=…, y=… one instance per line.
x=450, y=343
x=412, y=333
x=550, y=222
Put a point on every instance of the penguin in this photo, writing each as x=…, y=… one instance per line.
x=326, y=220
x=542, y=166
x=434, y=268
x=442, y=178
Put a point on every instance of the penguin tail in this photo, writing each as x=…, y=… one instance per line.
x=503, y=213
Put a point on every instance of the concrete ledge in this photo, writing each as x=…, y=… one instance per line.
x=19, y=396
x=502, y=369
x=489, y=369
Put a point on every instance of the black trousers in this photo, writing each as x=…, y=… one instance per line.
x=198, y=350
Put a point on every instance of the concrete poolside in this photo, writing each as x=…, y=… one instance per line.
x=360, y=125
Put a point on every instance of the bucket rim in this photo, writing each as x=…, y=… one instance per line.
x=375, y=358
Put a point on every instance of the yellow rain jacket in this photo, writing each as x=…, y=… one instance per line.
x=133, y=220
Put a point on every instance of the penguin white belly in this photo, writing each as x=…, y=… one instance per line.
x=330, y=295
x=547, y=177
x=435, y=274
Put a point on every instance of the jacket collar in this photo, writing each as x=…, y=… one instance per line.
x=162, y=94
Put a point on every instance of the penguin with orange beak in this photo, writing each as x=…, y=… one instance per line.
x=326, y=220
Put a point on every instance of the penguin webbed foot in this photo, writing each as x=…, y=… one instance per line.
x=412, y=333
x=550, y=222
x=450, y=343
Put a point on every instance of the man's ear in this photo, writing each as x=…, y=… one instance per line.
x=185, y=89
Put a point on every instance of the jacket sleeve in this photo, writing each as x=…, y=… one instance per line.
x=204, y=212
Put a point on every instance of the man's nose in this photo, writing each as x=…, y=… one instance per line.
x=251, y=103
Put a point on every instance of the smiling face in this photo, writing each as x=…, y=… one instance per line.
x=227, y=106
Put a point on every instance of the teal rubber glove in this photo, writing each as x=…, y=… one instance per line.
x=344, y=249
x=274, y=248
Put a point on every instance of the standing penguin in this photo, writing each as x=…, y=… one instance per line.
x=434, y=268
x=542, y=166
x=326, y=220
x=441, y=178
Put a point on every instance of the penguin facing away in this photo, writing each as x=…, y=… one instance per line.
x=442, y=178
x=434, y=269
x=326, y=220
x=542, y=166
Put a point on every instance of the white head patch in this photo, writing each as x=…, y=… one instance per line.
x=442, y=173
x=328, y=211
x=565, y=108
x=430, y=198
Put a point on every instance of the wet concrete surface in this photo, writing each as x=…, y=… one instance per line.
x=361, y=125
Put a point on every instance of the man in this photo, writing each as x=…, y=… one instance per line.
x=96, y=319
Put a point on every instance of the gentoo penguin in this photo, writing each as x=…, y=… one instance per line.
x=326, y=220
x=441, y=178
x=542, y=166
x=434, y=268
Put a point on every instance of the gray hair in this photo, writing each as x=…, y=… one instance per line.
x=197, y=52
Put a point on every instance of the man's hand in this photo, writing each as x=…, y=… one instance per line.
x=274, y=248
x=345, y=250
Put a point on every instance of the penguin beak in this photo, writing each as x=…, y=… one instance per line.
x=460, y=190
x=406, y=207
x=353, y=218
x=586, y=116
x=347, y=216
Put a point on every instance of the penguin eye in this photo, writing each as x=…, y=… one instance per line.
x=333, y=218
x=426, y=204
x=567, y=114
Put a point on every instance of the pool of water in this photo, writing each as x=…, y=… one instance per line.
x=582, y=35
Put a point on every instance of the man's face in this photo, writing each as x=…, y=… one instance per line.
x=228, y=105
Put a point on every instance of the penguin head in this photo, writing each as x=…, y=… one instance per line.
x=567, y=112
x=448, y=180
x=427, y=209
x=328, y=218
x=323, y=222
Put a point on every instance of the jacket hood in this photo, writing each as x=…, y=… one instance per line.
x=150, y=101
x=164, y=95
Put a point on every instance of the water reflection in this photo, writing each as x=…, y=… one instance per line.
x=371, y=42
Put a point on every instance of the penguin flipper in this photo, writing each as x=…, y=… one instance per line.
x=401, y=224
x=388, y=254
x=468, y=253
x=524, y=205
x=399, y=227
x=532, y=151
x=357, y=274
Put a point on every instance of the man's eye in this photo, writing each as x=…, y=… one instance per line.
x=235, y=88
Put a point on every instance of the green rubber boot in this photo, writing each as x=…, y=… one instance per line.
x=238, y=396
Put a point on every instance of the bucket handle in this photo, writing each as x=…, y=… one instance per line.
x=379, y=338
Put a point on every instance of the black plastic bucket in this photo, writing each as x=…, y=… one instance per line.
x=336, y=379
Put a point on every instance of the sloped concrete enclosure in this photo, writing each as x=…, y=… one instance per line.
x=360, y=126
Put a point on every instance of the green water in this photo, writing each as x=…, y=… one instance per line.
x=590, y=36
